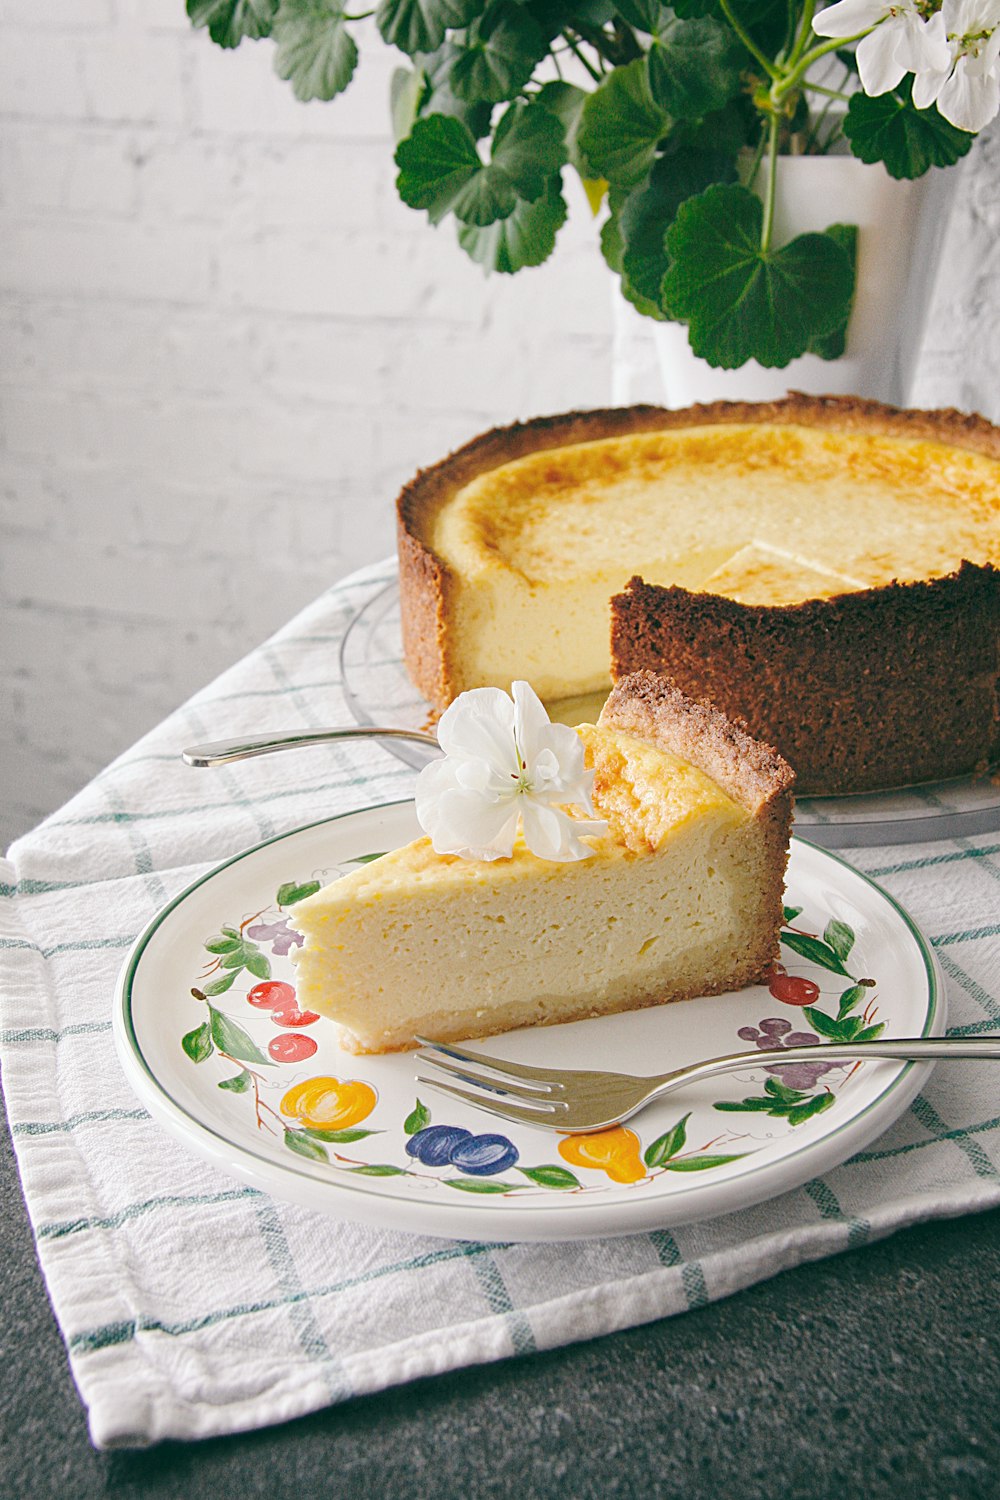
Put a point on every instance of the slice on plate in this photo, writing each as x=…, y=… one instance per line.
x=681, y=896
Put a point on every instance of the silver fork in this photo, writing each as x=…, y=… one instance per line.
x=576, y=1100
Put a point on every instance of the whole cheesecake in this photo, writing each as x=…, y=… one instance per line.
x=824, y=568
x=681, y=896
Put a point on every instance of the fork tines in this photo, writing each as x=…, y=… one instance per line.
x=535, y=1095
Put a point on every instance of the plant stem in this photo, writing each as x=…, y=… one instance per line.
x=748, y=42
x=772, y=179
x=800, y=65
x=580, y=57
x=805, y=30
x=819, y=88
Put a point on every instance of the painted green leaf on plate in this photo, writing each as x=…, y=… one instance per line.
x=230, y=1038
x=198, y=1043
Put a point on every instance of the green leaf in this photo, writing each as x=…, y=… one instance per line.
x=695, y=67
x=644, y=15
x=297, y=1140
x=668, y=1144
x=742, y=302
x=230, y=932
x=230, y=1037
x=643, y=216
x=759, y=1105
x=219, y=985
x=551, y=1176
x=870, y=1032
x=566, y=101
x=813, y=1106
x=781, y=1091
x=908, y=140
x=419, y=25
x=229, y=21
x=701, y=1163
x=441, y=170
x=291, y=891
x=315, y=52
x=238, y=1084
x=826, y=1025
x=832, y=345
x=791, y=912
x=379, y=1169
x=849, y=999
x=258, y=964
x=417, y=1119
x=436, y=161
x=622, y=125
x=366, y=859
x=494, y=58
x=840, y=938
x=339, y=1137
x=525, y=238
x=407, y=88
x=222, y=944
x=851, y=1027
x=477, y=1185
x=198, y=1043
x=235, y=958
x=815, y=951
x=529, y=146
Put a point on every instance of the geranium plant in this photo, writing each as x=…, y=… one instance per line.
x=675, y=117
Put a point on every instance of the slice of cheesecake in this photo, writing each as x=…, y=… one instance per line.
x=681, y=897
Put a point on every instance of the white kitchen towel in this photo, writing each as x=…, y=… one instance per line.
x=192, y=1305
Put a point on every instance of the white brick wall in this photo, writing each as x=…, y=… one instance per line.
x=219, y=333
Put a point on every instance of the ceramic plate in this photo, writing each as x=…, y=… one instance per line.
x=379, y=691
x=211, y=1039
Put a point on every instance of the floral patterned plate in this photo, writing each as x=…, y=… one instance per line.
x=212, y=1040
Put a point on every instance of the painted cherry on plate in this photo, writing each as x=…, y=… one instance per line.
x=291, y=1048
x=271, y=994
x=292, y=1016
x=793, y=989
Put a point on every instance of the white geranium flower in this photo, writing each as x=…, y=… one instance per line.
x=505, y=761
x=901, y=40
x=966, y=87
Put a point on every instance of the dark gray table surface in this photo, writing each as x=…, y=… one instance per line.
x=875, y=1373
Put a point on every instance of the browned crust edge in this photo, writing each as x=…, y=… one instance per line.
x=425, y=579
x=654, y=709
x=865, y=717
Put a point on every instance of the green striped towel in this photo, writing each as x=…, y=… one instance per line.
x=192, y=1306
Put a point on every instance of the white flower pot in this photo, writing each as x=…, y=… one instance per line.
x=900, y=228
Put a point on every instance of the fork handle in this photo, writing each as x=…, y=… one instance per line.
x=898, y=1049
x=223, y=752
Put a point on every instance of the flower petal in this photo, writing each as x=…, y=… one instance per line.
x=480, y=725
x=927, y=85
x=923, y=45
x=552, y=834
x=969, y=102
x=462, y=822
x=878, y=67
x=848, y=17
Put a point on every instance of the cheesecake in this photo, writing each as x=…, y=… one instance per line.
x=680, y=896
x=825, y=568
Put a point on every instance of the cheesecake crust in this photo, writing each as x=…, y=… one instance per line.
x=870, y=689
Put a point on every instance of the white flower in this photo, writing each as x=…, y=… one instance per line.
x=901, y=40
x=966, y=86
x=504, y=760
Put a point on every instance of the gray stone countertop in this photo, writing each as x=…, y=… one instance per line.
x=870, y=1375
